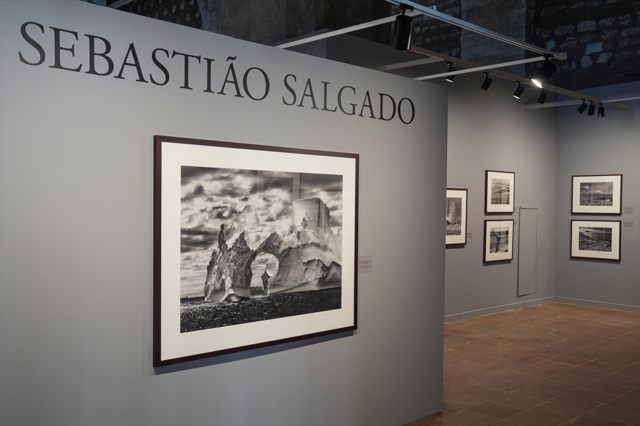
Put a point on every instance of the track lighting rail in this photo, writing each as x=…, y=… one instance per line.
x=346, y=30
x=482, y=68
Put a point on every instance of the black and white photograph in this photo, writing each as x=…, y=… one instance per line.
x=499, y=191
x=596, y=194
x=257, y=245
x=595, y=239
x=456, y=217
x=498, y=240
x=262, y=255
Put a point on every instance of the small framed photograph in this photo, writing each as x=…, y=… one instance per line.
x=595, y=239
x=596, y=194
x=498, y=240
x=253, y=245
x=499, y=192
x=456, y=216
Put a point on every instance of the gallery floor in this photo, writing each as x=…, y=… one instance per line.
x=550, y=364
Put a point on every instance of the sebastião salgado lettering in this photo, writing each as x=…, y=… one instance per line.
x=68, y=50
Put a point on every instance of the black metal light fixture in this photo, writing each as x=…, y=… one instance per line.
x=600, y=110
x=450, y=78
x=592, y=108
x=582, y=107
x=519, y=89
x=401, y=39
x=487, y=82
x=543, y=97
x=541, y=76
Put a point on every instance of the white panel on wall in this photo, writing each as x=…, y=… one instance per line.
x=76, y=224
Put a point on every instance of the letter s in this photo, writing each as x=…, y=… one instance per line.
x=32, y=42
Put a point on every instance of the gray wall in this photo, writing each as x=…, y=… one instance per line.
x=76, y=249
x=587, y=145
x=489, y=131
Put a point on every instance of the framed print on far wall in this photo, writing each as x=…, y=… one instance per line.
x=596, y=194
x=498, y=240
x=253, y=245
x=456, y=216
x=595, y=239
x=499, y=192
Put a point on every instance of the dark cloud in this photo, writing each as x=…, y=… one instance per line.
x=314, y=182
x=197, y=192
x=188, y=173
x=198, y=238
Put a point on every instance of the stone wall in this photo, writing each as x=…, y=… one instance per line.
x=601, y=38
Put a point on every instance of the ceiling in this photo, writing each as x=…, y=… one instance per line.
x=601, y=37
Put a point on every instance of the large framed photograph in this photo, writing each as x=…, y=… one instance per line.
x=499, y=191
x=456, y=216
x=254, y=245
x=596, y=194
x=595, y=239
x=498, y=240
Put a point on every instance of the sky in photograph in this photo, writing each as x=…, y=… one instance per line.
x=256, y=202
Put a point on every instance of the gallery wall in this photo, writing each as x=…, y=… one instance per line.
x=590, y=146
x=490, y=131
x=76, y=220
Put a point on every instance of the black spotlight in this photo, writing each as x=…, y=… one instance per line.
x=487, y=82
x=519, y=89
x=600, y=110
x=401, y=39
x=541, y=76
x=582, y=107
x=543, y=97
x=450, y=78
x=592, y=108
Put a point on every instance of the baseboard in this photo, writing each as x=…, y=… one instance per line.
x=499, y=308
x=597, y=303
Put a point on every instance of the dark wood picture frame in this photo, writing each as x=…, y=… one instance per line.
x=487, y=257
x=489, y=207
x=615, y=209
x=455, y=241
x=597, y=242
x=171, y=155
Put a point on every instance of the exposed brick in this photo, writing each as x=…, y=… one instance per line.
x=586, y=61
x=593, y=48
x=624, y=19
x=603, y=58
x=563, y=30
x=630, y=32
x=586, y=26
x=606, y=22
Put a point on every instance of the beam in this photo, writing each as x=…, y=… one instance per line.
x=316, y=37
x=505, y=75
x=409, y=64
x=460, y=23
x=482, y=68
x=619, y=103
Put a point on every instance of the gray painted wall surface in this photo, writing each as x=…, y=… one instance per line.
x=489, y=131
x=76, y=247
x=587, y=145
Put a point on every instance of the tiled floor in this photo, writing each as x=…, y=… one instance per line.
x=550, y=364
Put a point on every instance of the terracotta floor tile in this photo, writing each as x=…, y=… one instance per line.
x=552, y=364
x=495, y=409
x=517, y=401
x=470, y=418
x=530, y=418
x=588, y=420
x=617, y=412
